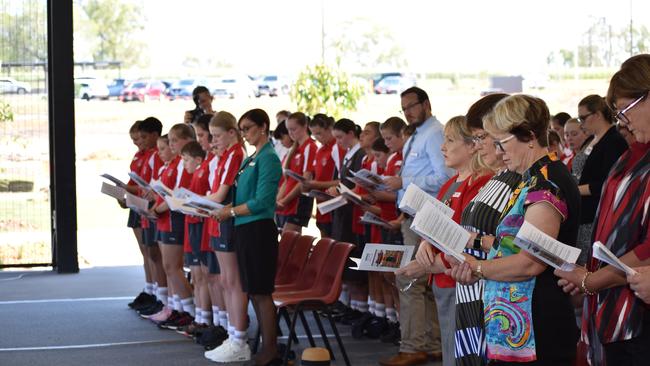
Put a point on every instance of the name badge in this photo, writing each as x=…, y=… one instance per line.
x=414, y=154
x=456, y=194
x=297, y=156
x=252, y=163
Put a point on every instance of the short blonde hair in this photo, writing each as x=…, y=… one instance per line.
x=522, y=115
x=459, y=128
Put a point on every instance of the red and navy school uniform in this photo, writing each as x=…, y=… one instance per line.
x=362, y=231
x=149, y=171
x=136, y=166
x=298, y=211
x=199, y=184
x=389, y=209
x=226, y=174
x=325, y=170
x=171, y=224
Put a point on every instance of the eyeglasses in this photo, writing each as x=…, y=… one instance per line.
x=245, y=129
x=404, y=109
x=582, y=119
x=621, y=117
x=498, y=144
x=478, y=139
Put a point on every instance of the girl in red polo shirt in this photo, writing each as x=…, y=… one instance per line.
x=293, y=208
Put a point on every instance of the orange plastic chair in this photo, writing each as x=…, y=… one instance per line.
x=320, y=297
x=287, y=241
x=296, y=261
x=313, y=267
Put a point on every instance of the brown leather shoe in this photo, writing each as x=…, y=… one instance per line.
x=405, y=359
x=435, y=356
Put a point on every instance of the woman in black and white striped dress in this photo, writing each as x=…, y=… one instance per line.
x=480, y=217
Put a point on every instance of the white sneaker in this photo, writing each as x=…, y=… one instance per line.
x=229, y=352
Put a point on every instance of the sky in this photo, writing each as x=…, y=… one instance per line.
x=283, y=36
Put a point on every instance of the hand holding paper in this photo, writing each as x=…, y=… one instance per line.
x=546, y=248
x=440, y=230
x=414, y=198
x=605, y=255
x=383, y=257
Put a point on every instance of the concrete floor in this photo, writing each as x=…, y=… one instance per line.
x=82, y=319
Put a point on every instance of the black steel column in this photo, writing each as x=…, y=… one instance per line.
x=62, y=142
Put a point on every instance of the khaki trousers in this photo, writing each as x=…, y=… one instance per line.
x=418, y=315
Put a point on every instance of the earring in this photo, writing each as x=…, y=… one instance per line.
x=530, y=145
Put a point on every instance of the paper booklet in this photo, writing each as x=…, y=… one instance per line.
x=194, y=200
x=181, y=205
x=546, y=248
x=372, y=219
x=414, y=198
x=331, y=205
x=161, y=189
x=383, y=257
x=139, y=181
x=139, y=205
x=368, y=180
x=116, y=192
x=352, y=197
x=602, y=253
x=117, y=182
x=319, y=195
x=293, y=175
x=440, y=230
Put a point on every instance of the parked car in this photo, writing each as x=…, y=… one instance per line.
x=235, y=87
x=115, y=89
x=393, y=85
x=143, y=90
x=182, y=89
x=13, y=86
x=273, y=85
x=379, y=77
x=88, y=88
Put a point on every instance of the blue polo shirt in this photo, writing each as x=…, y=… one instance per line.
x=257, y=185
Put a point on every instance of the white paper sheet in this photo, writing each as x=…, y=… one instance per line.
x=440, y=230
x=319, y=195
x=139, y=205
x=415, y=197
x=139, y=181
x=161, y=189
x=117, y=182
x=545, y=248
x=383, y=257
x=293, y=175
x=372, y=219
x=602, y=253
x=116, y=192
x=331, y=205
x=368, y=180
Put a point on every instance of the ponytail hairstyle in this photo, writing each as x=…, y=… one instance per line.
x=183, y=131
x=303, y=121
x=203, y=123
x=227, y=122
x=346, y=126
x=380, y=145
x=459, y=128
x=322, y=120
x=395, y=125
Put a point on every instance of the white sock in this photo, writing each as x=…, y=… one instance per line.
x=391, y=314
x=215, y=315
x=345, y=295
x=162, y=295
x=239, y=338
x=198, y=318
x=371, y=306
x=188, y=306
x=206, y=317
x=155, y=288
x=353, y=304
x=231, y=331
x=223, y=319
x=380, y=310
x=148, y=288
x=362, y=306
x=178, y=306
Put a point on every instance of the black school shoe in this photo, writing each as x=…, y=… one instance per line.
x=350, y=317
x=392, y=334
x=211, y=337
x=359, y=325
x=142, y=300
x=174, y=322
x=151, y=310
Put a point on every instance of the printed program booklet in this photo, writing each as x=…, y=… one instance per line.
x=433, y=224
x=383, y=257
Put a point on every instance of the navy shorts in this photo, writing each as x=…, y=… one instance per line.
x=149, y=234
x=134, y=220
x=209, y=259
x=303, y=213
x=191, y=260
x=216, y=243
x=177, y=235
x=325, y=228
x=195, y=234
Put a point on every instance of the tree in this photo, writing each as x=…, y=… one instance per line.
x=23, y=36
x=111, y=28
x=6, y=115
x=320, y=89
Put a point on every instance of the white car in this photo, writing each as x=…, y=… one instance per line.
x=235, y=87
x=88, y=88
x=13, y=86
x=273, y=85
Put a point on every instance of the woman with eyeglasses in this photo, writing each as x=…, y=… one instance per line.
x=615, y=321
x=602, y=152
x=527, y=318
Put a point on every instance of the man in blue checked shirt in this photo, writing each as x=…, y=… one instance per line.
x=424, y=166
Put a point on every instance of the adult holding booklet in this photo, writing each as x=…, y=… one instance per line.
x=527, y=317
x=615, y=322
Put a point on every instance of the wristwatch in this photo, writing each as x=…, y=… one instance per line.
x=232, y=212
x=478, y=272
x=478, y=242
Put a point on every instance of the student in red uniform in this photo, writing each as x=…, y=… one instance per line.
x=149, y=130
x=324, y=166
x=223, y=128
x=171, y=233
x=293, y=208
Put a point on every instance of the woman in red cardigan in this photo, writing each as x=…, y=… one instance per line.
x=460, y=154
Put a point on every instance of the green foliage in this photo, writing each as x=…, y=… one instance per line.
x=23, y=36
x=320, y=89
x=6, y=114
x=111, y=29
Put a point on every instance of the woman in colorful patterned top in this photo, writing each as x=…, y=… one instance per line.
x=613, y=316
x=527, y=318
